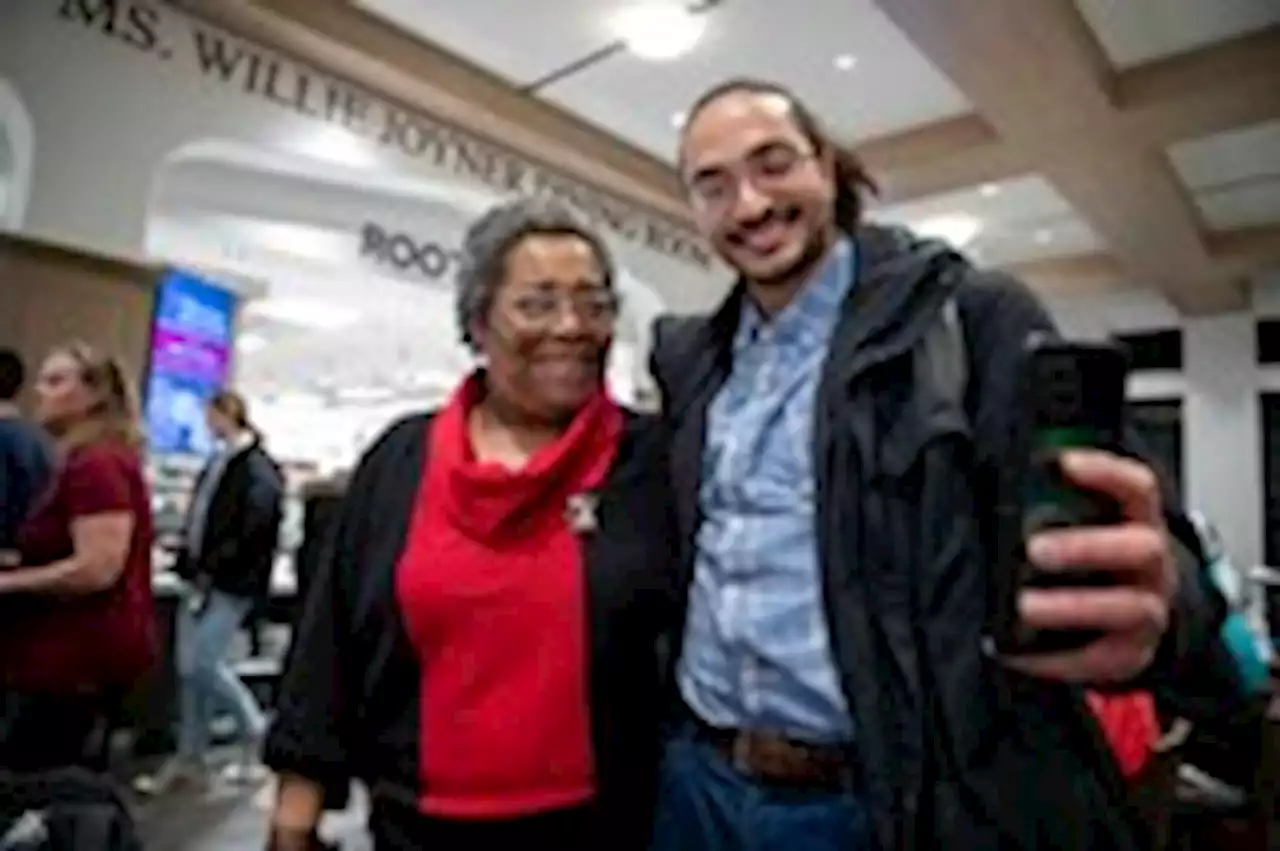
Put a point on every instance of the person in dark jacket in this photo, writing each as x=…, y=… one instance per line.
x=835, y=485
x=480, y=644
x=232, y=531
x=25, y=456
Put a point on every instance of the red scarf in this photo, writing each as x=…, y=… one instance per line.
x=493, y=503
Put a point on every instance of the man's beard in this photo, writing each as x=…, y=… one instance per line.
x=814, y=250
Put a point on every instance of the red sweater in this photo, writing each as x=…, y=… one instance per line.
x=65, y=644
x=491, y=590
x=1131, y=726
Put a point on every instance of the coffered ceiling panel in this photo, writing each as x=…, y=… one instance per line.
x=1009, y=222
x=1137, y=31
x=1243, y=206
x=1248, y=154
x=1234, y=176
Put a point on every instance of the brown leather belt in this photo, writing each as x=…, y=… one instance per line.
x=778, y=760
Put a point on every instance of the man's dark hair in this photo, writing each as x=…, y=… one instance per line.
x=12, y=375
x=853, y=182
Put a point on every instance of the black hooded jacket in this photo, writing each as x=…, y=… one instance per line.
x=959, y=751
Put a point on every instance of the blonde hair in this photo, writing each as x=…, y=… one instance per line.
x=115, y=416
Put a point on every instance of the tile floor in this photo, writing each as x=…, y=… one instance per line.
x=231, y=820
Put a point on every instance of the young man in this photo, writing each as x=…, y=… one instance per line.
x=834, y=689
x=25, y=463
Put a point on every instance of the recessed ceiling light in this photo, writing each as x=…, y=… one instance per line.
x=1043, y=236
x=659, y=32
x=989, y=190
x=845, y=62
x=249, y=343
x=678, y=119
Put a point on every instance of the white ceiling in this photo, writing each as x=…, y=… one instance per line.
x=1136, y=31
x=1235, y=176
x=1021, y=220
x=638, y=100
x=495, y=33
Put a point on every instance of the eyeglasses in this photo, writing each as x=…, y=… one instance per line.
x=595, y=307
x=717, y=190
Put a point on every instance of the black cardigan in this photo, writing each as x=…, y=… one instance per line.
x=348, y=705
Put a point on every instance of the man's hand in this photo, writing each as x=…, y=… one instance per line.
x=1134, y=612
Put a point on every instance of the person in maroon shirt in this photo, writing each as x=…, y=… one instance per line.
x=480, y=647
x=77, y=621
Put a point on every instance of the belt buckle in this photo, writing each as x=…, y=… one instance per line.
x=740, y=753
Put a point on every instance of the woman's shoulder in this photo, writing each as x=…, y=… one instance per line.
x=403, y=433
x=103, y=455
x=402, y=443
x=641, y=449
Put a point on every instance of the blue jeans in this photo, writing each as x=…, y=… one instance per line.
x=705, y=804
x=206, y=683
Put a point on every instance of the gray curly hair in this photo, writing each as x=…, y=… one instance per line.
x=490, y=239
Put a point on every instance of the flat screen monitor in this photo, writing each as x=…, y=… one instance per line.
x=192, y=333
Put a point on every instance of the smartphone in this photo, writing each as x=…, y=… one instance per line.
x=1071, y=395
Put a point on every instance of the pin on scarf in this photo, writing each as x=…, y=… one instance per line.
x=580, y=512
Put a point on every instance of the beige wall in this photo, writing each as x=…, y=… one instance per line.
x=49, y=295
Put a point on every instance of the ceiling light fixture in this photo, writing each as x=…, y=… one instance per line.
x=659, y=32
x=678, y=119
x=957, y=230
x=989, y=190
x=845, y=62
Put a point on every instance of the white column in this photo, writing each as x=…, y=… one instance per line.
x=1222, y=441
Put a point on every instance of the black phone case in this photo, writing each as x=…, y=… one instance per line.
x=1033, y=493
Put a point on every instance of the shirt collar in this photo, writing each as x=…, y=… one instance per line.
x=812, y=314
x=241, y=442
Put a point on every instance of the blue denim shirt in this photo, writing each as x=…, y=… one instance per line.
x=757, y=653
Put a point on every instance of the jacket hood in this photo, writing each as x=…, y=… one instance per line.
x=902, y=279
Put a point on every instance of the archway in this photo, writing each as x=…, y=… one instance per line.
x=341, y=336
x=17, y=151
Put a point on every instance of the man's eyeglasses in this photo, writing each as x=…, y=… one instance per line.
x=594, y=307
x=719, y=189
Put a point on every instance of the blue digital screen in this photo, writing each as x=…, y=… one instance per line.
x=191, y=339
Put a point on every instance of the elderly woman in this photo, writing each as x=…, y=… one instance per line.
x=479, y=645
